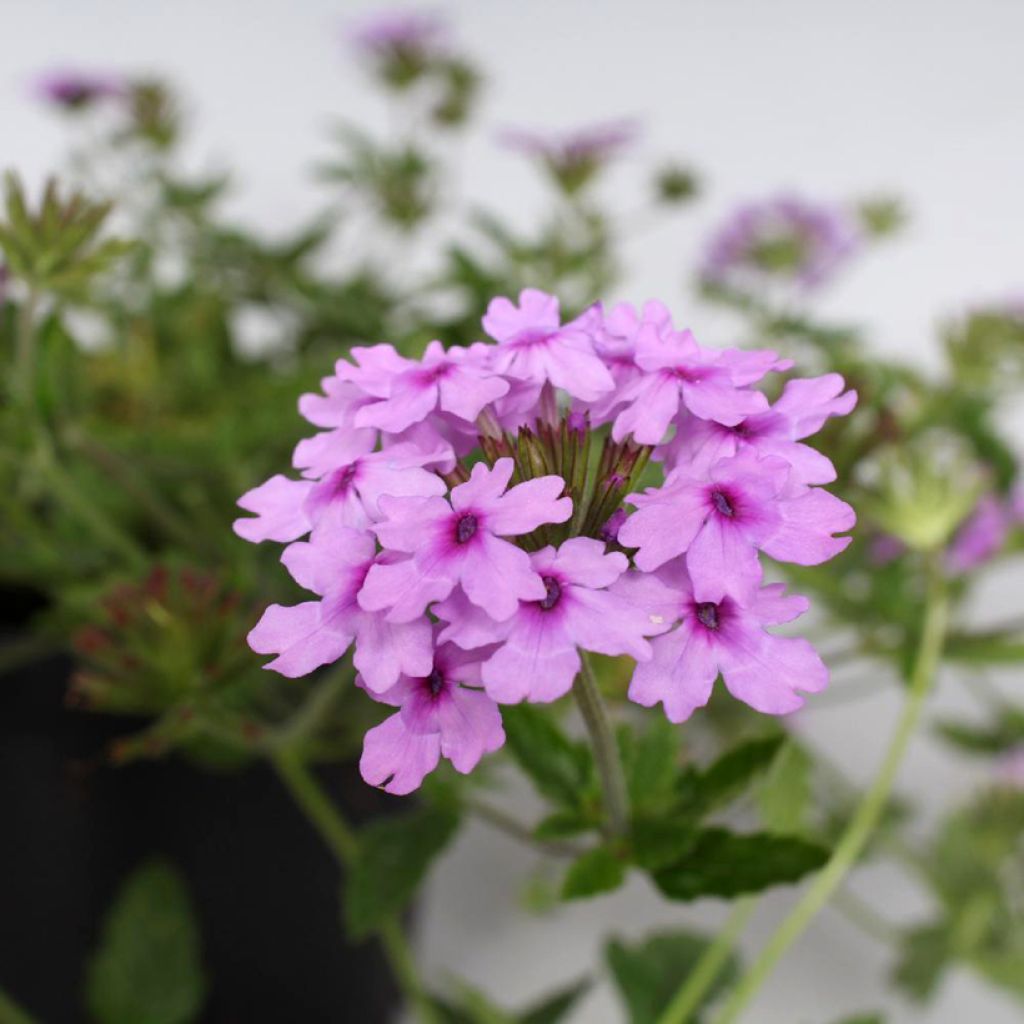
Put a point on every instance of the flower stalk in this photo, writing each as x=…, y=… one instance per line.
x=868, y=812
x=606, y=751
x=326, y=819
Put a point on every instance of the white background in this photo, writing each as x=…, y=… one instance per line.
x=925, y=99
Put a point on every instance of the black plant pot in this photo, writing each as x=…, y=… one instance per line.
x=265, y=888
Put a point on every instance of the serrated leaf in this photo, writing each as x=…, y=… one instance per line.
x=394, y=855
x=724, y=863
x=649, y=973
x=660, y=842
x=559, y=767
x=726, y=778
x=652, y=766
x=146, y=969
x=596, y=871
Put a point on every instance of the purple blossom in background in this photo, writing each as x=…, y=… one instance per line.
x=574, y=157
x=75, y=90
x=440, y=715
x=1010, y=768
x=981, y=535
x=785, y=238
x=457, y=545
x=415, y=34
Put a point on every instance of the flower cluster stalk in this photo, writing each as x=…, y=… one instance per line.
x=868, y=812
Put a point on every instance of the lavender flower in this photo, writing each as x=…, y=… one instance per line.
x=574, y=158
x=403, y=45
x=474, y=525
x=76, y=90
x=782, y=238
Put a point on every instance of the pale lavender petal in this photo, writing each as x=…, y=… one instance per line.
x=538, y=661
x=585, y=561
x=720, y=400
x=278, y=504
x=807, y=403
x=397, y=760
x=665, y=524
x=470, y=724
x=722, y=558
x=766, y=671
x=386, y=650
x=402, y=589
x=496, y=576
x=807, y=524
x=647, y=419
x=680, y=674
x=465, y=394
x=601, y=621
x=411, y=398
x=527, y=505
x=304, y=636
x=484, y=486
x=468, y=625
x=536, y=310
x=772, y=605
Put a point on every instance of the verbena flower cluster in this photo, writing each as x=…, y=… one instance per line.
x=785, y=237
x=477, y=517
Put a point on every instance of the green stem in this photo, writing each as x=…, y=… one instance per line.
x=691, y=995
x=11, y=1013
x=517, y=830
x=606, y=750
x=25, y=349
x=868, y=812
x=325, y=817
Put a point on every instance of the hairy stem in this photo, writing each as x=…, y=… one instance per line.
x=606, y=751
x=868, y=812
x=325, y=817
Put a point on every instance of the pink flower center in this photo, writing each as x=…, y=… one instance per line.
x=723, y=504
x=553, y=595
x=530, y=337
x=707, y=614
x=465, y=528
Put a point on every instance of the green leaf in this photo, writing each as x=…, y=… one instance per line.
x=560, y=768
x=596, y=871
x=652, y=766
x=726, y=779
x=660, y=842
x=563, y=825
x=555, y=1007
x=394, y=855
x=997, y=738
x=924, y=957
x=785, y=797
x=724, y=863
x=147, y=967
x=648, y=973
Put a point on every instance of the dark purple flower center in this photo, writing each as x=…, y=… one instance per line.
x=707, y=614
x=723, y=504
x=553, y=595
x=465, y=528
x=435, y=682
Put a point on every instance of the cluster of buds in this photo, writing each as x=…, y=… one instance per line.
x=470, y=533
x=166, y=645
